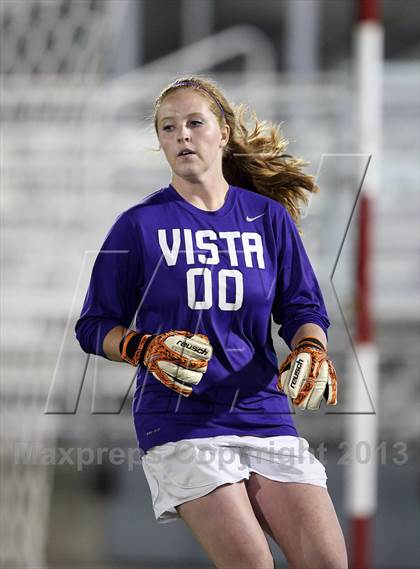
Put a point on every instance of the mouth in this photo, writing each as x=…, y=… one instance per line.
x=185, y=152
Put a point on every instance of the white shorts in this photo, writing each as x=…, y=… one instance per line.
x=181, y=471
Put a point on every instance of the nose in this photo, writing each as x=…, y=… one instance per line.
x=183, y=134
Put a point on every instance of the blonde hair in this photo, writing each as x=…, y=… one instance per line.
x=254, y=157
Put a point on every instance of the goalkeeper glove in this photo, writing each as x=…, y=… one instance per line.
x=176, y=358
x=307, y=375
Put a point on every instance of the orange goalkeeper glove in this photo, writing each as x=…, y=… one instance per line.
x=176, y=358
x=307, y=375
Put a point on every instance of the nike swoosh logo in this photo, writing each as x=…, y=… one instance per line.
x=254, y=218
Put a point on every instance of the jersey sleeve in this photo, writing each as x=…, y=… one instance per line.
x=298, y=298
x=113, y=294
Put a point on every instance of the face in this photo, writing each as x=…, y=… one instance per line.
x=186, y=123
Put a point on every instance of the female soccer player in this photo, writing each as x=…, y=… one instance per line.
x=184, y=288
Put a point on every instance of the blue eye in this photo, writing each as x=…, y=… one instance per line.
x=167, y=127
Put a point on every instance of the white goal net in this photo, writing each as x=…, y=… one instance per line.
x=53, y=53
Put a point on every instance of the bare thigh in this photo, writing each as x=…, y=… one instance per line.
x=225, y=525
x=301, y=519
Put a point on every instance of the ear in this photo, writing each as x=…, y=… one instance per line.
x=225, y=132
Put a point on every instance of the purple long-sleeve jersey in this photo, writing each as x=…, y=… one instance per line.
x=173, y=266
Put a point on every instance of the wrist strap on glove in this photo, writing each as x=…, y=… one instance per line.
x=310, y=342
x=133, y=347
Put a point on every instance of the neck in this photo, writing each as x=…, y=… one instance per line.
x=208, y=195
